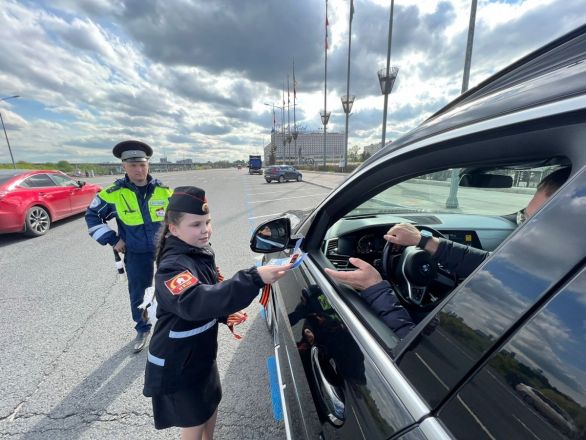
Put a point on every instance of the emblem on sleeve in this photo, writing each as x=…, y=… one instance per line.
x=181, y=282
x=95, y=202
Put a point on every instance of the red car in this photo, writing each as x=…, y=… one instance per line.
x=31, y=200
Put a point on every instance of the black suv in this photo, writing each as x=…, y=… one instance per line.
x=497, y=354
x=282, y=173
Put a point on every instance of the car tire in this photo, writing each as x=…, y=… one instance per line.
x=269, y=316
x=299, y=178
x=268, y=180
x=37, y=221
x=281, y=179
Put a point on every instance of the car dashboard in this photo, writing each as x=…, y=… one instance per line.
x=362, y=236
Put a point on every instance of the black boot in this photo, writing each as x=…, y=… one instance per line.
x=140, y=341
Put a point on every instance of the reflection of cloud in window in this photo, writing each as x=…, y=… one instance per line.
x=490, y=316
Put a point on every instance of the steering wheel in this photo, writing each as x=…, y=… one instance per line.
x=417, y=279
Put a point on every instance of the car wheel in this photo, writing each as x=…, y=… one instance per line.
x=299, y=178
x=281, y=179
x=37, y=221
x=268, y=180
x=269, y=315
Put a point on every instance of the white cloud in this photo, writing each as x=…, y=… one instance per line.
x=170, y=72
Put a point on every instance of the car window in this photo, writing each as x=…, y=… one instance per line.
x=430, y=193
x=480, y=312
x=535, y=386
x=38, y=181
x=63, y=180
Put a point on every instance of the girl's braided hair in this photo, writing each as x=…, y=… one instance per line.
x=171, y=217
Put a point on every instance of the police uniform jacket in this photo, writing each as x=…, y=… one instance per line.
x=138, y=214
x=182, y=351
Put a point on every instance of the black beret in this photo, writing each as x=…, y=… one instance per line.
x=132, y=151
x=189, y=199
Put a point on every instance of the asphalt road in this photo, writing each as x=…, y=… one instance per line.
x=66, y=331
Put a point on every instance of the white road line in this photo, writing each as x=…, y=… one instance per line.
x=278, y=213
x=287, y=198
x=466, y=407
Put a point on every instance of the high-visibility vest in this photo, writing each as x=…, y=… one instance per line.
x=128, y=208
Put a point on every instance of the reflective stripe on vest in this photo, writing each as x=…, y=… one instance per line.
x=128, y=208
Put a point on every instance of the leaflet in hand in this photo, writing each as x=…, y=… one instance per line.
x=296, y=257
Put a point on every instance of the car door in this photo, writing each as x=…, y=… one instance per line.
x=503, y=357
x=80, y=197
x=334, y=387
x=44, y=190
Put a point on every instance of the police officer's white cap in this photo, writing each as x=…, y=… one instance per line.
x=132, y=151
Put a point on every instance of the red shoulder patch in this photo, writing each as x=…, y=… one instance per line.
x=180, y=282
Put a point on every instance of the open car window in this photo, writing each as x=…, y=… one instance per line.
x=489, y=208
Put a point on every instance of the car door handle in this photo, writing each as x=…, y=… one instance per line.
x=331, y=395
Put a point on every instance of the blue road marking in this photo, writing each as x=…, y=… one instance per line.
x=274, y=383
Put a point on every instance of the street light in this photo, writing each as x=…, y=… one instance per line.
x=325, y=117
x=347, y=102
x=282, y=123
x=4, y=128
x=386, y=79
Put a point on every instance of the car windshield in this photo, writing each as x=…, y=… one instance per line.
x=431, y=193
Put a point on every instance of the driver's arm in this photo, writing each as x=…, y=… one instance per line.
x=378, y=294
x=457, y=258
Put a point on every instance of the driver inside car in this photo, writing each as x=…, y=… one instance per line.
x=459, y=259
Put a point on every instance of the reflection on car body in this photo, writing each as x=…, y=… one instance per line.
x=510, y=328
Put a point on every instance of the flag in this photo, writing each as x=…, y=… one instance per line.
x=288, y=93
x=327, y=33
x=265, y=295
x=274, y=119
x=351, y=10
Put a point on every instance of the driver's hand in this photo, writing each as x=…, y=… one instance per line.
x=362, y=278
x=403, y=234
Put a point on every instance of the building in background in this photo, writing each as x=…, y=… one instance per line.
x=310, y=148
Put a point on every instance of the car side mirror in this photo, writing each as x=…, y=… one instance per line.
x=271, y=236
x=80, y=183
x=486, y=181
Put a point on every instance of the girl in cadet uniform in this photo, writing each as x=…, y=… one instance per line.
x=181, y=372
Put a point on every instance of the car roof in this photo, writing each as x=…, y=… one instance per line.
x=555, y=71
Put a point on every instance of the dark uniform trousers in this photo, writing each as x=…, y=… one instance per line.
x=140, y=269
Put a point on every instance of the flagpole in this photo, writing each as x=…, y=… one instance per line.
x=294, y=119
x=288, y=122
x=325, y=86
x=283, y=122
x=345, y=162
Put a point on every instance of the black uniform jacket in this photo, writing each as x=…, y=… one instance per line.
x=184, y=344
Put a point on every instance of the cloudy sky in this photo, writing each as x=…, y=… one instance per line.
x=191, y=77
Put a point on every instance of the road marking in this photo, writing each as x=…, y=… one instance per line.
x=278, y=213
x=288, y=198
x=275, y=393
x=466, y=407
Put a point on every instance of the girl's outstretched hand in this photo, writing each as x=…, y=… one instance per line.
x=270, y=274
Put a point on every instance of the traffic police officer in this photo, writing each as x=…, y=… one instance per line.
x=138, y=203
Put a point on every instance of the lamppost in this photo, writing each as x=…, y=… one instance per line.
x=387, y=77
x=282, y=124
x=4, y=128
x=347, y=102
x=452, y=201
x=325, y=117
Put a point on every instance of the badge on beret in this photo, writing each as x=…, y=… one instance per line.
x=181, y=282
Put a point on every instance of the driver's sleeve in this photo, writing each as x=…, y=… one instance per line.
x=385, y=304
x=458, y=258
